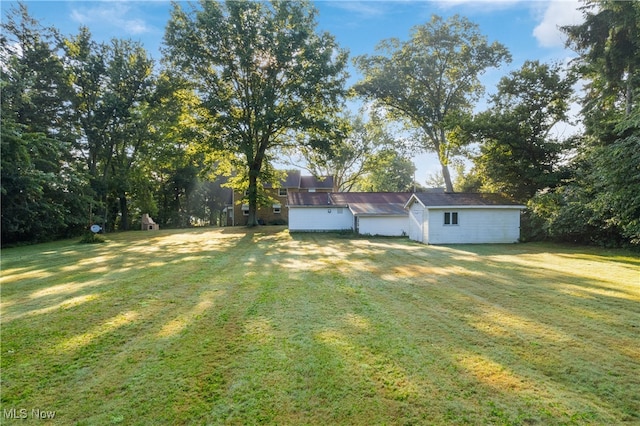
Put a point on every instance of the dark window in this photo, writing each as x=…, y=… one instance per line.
x=450, y=218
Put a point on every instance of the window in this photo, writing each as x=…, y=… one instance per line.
x=450, y=218
x=282, y=192
x=277, y=208
x=245, y=210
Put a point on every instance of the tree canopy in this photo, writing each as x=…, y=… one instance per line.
x=600, y=203
x=262, y=72
x=432, y=79
x=519, y=154
x=43, y=186
x=99, y=132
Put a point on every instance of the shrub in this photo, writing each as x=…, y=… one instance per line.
x=91, y=238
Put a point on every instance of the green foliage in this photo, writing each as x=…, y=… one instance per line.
x=595, y=199
x=431, y=80
x=92, y=238
x=518, y=155
x=387, y=171
x=601, y=203
x=470, y=181
x=111, y=93
x=615, y=177
x=558, y=215
x=44, y=191
x=263, y=74
x=356, y=154
x=609, y=45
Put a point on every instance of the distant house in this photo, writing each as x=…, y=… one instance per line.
x=277, y=212
x=367, y=213
x=461, y=218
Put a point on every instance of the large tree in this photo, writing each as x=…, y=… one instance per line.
x=263, y=73
x=351, y=155
x=432, y=79
x=519, y=152
x=387, y=171
x=111, y=94
x=608, y=42
x=601, y=202
x=43, y=188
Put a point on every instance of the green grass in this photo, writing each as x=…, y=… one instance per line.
x=229, y=326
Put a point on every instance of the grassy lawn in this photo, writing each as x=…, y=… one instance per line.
x=229, y=326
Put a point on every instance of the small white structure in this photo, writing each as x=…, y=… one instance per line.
x=377, y=213
x=316, y=212
x=463, y=218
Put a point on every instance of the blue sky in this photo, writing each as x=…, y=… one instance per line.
x=529, y=29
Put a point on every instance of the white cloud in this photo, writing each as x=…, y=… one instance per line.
x=558, y=13
x=112, y=14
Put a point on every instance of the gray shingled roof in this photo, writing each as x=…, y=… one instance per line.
x=360, y=203
x=371, y=197
x=463, y=199
x=374, y=203
x=294, y=179
x=373, y=209
x=322, y=182
x=309, y=199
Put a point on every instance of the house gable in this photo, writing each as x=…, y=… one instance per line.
x=278, y=212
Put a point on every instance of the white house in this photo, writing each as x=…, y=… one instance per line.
x=316, y=212
x=367, y=213
x=463, y=218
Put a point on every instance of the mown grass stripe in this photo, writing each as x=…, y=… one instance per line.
x=235, y=326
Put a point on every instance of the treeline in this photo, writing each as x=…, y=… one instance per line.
x=101, y=132
x=585, y=189
x=94, y=133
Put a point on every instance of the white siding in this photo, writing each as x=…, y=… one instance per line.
x=416, y=222
x=391, y=226
x=475, y=226
x=328, y=218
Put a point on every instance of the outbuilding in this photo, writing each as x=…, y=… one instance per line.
x=317, y=212
x=366, y=213
x=463, y=218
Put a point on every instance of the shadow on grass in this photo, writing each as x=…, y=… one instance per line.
x=242, y=326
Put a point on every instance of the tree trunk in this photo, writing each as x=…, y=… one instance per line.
x=255, y=166
x=629, y=94
x=447, y=178
x=213, y=215
x=124, y=211
x=443, y=158
x=252, y=193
